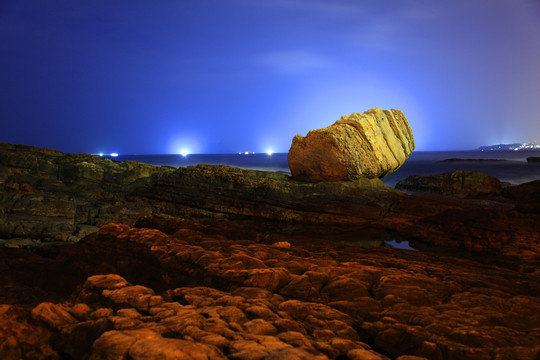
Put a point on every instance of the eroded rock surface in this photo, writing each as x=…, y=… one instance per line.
x=48, y=196
x=243, y=298
x=370, y=144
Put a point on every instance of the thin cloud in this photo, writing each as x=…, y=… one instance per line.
x=387, y=30
x=322, y=7
x=317, y=7
x=416, y=14
x=293, y=61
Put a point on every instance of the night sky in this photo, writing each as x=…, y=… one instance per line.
x=222, y=76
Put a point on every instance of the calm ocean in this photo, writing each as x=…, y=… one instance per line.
x=512, y=168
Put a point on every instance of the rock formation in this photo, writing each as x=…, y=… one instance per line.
x=42, y=202
x=51, y=196
x=195, y=293
x=372, y=144
x=456, y=183
x=219, y=262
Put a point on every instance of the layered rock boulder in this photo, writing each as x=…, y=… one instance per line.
x=370, y=144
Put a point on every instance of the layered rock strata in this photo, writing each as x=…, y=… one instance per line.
x=370, y=144
x=448, y=221
x=41, y=203
x=49, y=196
x=466, y=184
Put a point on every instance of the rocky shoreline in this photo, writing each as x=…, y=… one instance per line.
x=219, y=262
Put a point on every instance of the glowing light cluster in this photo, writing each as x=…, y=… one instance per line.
x=525, y=146
x=268, y=152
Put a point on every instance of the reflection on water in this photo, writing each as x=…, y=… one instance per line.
x=401, y=244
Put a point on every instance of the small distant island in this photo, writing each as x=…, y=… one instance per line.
x=514, y=147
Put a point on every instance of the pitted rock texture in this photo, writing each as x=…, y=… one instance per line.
x=204, y=295
x=370, y=144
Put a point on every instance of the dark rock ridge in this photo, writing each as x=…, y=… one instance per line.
x=533, y=159
x=460, y=183
x=526, y=197
x=218, y=190
x=41, y=200
x=51, y=196
x=448, y=221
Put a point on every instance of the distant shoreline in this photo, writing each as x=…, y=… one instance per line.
x=472, y=160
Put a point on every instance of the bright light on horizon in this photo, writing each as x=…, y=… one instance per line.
x=269, y=152
x=186, y=143
x=114, y=154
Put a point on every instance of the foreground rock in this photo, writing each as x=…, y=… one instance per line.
x=198, y=294
x=526, y=197
x=372, y=144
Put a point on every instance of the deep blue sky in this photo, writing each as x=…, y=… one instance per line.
x=211, y=76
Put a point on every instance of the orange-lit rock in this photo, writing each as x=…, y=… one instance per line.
x=370, y=144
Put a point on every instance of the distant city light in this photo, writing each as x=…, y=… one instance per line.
x=269, y=152
x=114, y=154
x=100, y=154
x=246, y=153
x=184, y=153
x=526, y=146
x=514, y=147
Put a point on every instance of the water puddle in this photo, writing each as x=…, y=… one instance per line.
x=404, y=244
x=396, y=244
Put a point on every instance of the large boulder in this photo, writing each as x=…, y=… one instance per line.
x=373, y=144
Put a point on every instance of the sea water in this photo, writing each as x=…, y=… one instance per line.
x=508, y=166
